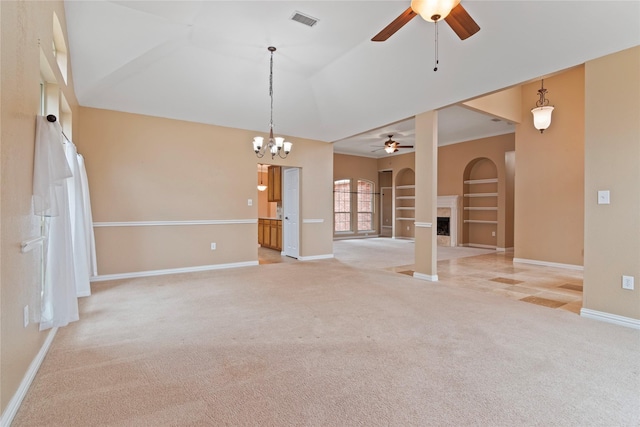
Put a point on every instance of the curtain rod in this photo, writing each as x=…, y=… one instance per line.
x=52, y=118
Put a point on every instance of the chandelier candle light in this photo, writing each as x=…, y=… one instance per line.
x=276, y=145
x=542, y=112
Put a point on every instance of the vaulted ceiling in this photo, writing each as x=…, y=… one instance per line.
x=207, y=61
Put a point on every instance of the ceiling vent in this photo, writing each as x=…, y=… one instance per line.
x=304, y=19
x=496, y=120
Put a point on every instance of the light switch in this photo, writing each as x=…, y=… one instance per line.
x=249, y=202
x=603, y=197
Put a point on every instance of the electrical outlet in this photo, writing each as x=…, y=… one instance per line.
x=213, y=246
x=627, y=282
x=249, y=202
x=408, y=228
x=25, y=315
x=493, y=234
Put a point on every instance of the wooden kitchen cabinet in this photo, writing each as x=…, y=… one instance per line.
x=270, y=233
x=274, y=181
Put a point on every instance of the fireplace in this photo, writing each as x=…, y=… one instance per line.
x=443, y=226
x=447, y=225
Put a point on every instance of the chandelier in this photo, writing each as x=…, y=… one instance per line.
x=276, y=145
x=542, y=111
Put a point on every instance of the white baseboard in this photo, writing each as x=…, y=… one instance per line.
x=504, y=249
x=549, y=264
x=479, y=246
x=610, y=318
x=105, y=277
x=14, y=404
x=355, y=236
x=427, y=277
x=315, y=257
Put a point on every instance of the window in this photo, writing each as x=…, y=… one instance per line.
x=365, y=205
x=342, y=205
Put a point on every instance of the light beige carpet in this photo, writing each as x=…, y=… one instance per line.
x=325, y=343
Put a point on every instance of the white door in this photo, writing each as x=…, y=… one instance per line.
x=291, y=205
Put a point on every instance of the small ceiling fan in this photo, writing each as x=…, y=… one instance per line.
x=434, y=10
x=391, y=146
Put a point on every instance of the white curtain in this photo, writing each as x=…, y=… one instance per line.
x=61, y=197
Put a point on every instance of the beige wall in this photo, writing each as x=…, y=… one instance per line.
x=354, y=168
x=452, y=162
x=612, y=162
x=24, y=25
x=549, y=201
x=143, y=168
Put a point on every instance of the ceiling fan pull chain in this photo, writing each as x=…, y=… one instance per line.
x=436, y=40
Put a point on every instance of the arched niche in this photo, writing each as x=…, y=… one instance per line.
x=480, y=218
x=405, y=202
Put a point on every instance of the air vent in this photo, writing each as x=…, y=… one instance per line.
x=304, y=19
x=496, y=120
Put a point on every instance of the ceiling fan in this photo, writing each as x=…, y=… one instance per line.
x=451, y=11
x=391, y=146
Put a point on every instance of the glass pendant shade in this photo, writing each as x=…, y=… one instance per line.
x=433, y=10
x=287, y=147
x=257, y=143
x=262, y=187
x=542, y=117
x=389, y=149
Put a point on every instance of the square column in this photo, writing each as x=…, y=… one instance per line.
x=426, y=158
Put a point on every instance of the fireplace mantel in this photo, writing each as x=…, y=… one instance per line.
x=451, y=202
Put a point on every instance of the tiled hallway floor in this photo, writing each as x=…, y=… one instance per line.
x=548, y=286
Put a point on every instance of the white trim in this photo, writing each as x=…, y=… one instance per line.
x=610, y=318
x=423, y=224
x=105, y=277
x=549, y=264
x=505, y=249
x=356, y=236
x=481, y=195
x=478, y=245
x=479, y=221
x=313, y=221
x=481, y=181
x=315, y=257
x=14, y=404
x=163, y=223
x=427, y=277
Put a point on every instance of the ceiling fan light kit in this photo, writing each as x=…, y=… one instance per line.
x=433, y=10
x=451, y=11
x=276, y=145
x=542, y=111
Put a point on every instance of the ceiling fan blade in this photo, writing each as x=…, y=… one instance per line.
x=404, y=146
x=397, y=23
x=461, y=22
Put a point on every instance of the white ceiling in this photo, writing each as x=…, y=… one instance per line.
x=207, y=61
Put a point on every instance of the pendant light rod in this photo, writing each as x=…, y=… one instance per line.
x=276, y=145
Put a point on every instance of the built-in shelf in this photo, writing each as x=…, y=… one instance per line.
x=406, y=219
x=406, y=208
x=481, y=195
x=481, y=181
x=406, y=198
x=475, y=208
x=405, y=187
x=479, y=221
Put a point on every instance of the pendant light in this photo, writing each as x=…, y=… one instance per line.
x=261, y=186
x=542, y=111
x=276, y=145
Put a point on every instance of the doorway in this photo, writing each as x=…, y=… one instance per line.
x=291, y=208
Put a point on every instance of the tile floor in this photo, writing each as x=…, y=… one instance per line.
x=494, y=272
x=547, y=286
